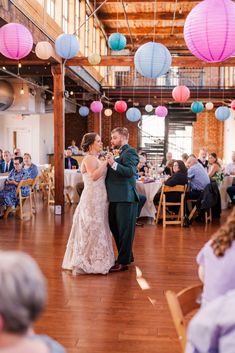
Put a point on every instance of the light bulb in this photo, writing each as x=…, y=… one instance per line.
x=19, y=65
x=22, y=91
x=52, y=97
x=71, y=93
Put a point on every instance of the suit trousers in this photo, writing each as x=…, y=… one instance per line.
x=122, y=219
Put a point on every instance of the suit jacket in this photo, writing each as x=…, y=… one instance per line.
x=121, y=183
x=3, y=165
x=74, y=162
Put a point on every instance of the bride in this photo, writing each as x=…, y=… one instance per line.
x=89, y=248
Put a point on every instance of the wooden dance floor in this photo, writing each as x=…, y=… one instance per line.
x=118, y=313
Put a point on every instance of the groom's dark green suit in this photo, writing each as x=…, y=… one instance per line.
x=123, y=201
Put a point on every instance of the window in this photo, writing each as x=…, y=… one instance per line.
x=65, y=16
x=51, y=8
x=77, y=16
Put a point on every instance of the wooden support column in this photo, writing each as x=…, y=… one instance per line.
x=97, y=123
x=58, y=76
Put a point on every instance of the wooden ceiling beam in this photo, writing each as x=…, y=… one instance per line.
x=140, y=16
x=146, y=30
x=180, y=61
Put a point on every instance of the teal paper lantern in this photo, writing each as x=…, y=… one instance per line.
x=117, y=41
x=152, y=60
x=133, y=114
x=222, y=113
x=83, y=111
x=67, y=46
x=197, y=107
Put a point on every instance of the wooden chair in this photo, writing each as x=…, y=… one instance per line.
x=182, y=304
x=22, y=200
x=51, y=189
x=164, y=204
x=208, y=213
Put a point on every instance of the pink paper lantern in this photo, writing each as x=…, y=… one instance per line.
x=209, y=30
x=120, y=106
x=233, y=105
x=161, y=111
x=16, y=41
x=96, y=106
x=181, y=94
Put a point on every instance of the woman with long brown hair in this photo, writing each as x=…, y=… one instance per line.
x=216, y=261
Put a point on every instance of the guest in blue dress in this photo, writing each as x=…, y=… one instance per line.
x=31, y=168
x=8, y=196
x=23, y=296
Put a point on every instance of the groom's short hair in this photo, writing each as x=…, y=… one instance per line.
x=122, y=131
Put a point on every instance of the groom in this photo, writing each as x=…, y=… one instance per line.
x=123, y=197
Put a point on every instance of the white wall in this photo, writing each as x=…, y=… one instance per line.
x=36, y=131
x=229, y=138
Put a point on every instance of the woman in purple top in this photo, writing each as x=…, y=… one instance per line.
x=217, y=262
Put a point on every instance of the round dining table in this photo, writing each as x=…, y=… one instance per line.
x=149, y=189
x=71, y=178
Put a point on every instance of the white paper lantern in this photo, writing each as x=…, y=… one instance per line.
x=44, y=50
x=94, y=59
x=149, y=108
x=108, y=112
x=209, y=106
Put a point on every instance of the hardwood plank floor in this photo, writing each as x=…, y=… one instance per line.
x=118, y=313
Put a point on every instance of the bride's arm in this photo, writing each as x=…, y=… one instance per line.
x=93, y=169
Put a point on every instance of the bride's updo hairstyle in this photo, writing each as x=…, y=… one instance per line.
x=88, y=140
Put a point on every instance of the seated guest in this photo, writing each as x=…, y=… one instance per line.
x=231, y=192
x=142, y=200
x=17, y=152
x=198, y=178
x=23, y=297
x=166, y=159
x=216, y=261
x=179, y=177
x=1, y=156
x=141, y=167
x=202, y=158
x=69, y=162
x=230, y=168
x=29, y=166
x=74, y=148
x=8, y=195
x=214, y=168
x=7, y=164
x=184, y=158
x=168, y=170
x=212, y=329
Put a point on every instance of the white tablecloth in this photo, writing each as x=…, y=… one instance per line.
x=71, y=178
x=2, y=181
x=228, y=180
x=149, y=190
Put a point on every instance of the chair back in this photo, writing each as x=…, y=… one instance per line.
x=23, y=183
x=177, y=188
x=181, y=304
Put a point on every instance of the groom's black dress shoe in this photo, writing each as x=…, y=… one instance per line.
x=118, y=268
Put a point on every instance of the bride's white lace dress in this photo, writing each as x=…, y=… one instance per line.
x=89, y=248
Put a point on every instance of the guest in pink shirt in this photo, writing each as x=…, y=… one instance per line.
x=217, y=262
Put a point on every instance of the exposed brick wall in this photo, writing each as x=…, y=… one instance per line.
x=208, y=132
x=75, y=127
x=109, y=123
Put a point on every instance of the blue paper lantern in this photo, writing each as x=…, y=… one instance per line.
x=83, y=111
x=117, y=41
x=67, y=46
x=133, y=114
x=197, y=107
x=222, y=113
x=152, y=60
